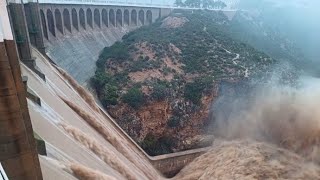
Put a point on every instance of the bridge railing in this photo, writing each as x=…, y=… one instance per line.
x=136, y=3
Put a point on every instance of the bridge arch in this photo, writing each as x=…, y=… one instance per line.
x=66, y=19
x=51, y=22
x=89, y=17
x=112, y=17
x=44, y=24
x=97, y=18
x=74, y=16
x=82, y=18
x=105, y=17
x=126, y=17
x=134, y=17
x=149, y=17
x=141, y=17
x=119, y=18
x=57, y=16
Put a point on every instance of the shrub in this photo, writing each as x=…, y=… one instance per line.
x=120, y=78
x=159, y=92
x=134, y=97
x=117, y=51
x=100, y=79
x=154, y=146
x=193, y=91
x=148, y=141
x=174, y=122
x=109, y=95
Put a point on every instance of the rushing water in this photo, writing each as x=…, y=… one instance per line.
x=271, y=132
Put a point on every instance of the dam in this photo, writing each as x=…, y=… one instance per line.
x=52, y=127
x=64, y=133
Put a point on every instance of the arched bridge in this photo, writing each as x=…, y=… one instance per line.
x=58, y=20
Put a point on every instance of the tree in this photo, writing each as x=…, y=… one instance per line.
x=174, y=122
x=109, y=95
x=134, y=97
x=179, y=3
x=193, y=91
x=100, y=79
x=156, y=146
x=219, y=4
x=193, y=3
x=159, y=92
x=206, y=4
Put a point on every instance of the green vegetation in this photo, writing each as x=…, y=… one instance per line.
x=155, y=146
x=174, y=122
x=159, y=92
x=193, y=91
x=117, y=51
x=134, y=97
x=109, y=96
x=206, y=4
x=100, y=79
x=160, y=67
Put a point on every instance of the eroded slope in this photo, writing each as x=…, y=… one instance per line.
x=159, y=82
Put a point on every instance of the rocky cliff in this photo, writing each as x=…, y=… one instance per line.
x=160, y=81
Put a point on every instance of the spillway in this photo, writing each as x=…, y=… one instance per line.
x=75, y=147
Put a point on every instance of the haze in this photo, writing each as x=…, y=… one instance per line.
x=298, y=20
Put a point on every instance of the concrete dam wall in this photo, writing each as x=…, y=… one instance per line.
x=78, y=52
x=74, y=35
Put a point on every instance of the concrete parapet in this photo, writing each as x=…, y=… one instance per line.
x=170, y=164
x=18, y=154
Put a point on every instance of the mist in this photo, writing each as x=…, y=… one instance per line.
x=295, y=19
x=283, y=114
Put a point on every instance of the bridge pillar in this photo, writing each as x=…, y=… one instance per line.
x=20, y=30
x=130, y=17
x=34, y=25
x=66, y=20
x=85, y=19
x=122, y=17
x=21, y=34
x=75, y=23
x=97, y=18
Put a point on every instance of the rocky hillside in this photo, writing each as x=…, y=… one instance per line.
x=159, y=82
